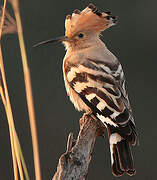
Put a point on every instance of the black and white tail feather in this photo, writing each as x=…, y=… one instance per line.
x=101, y=86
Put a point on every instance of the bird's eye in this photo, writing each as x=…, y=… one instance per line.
x=80, y=35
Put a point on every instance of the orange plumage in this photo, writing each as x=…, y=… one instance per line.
x=89, y=19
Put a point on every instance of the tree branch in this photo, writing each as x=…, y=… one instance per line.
x=74, y=163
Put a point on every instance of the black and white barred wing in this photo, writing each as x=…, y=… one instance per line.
x=101, y=86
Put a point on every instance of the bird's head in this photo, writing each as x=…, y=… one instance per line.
x=84, y=27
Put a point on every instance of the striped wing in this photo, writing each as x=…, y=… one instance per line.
x=101, y=86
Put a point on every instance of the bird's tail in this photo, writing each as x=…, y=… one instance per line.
x=121, y=155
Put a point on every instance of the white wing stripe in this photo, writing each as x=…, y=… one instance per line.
x=90, y=96
x=106, y=120
x=101, y=105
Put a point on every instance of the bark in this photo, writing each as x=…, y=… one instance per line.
x=74, y=163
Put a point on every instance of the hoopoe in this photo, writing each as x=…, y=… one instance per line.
x=95, y=82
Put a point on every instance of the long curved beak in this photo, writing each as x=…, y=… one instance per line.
x=58, y=39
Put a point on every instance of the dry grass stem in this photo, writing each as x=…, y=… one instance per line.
x=6, y=105
x=29, y=96
x=15, y=147
x=3, y=96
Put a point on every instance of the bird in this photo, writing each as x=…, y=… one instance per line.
x=95, y=82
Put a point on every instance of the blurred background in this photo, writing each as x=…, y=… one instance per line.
x=132, y=40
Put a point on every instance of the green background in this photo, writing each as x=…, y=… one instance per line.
x=132, y=40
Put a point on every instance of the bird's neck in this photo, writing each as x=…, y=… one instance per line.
x=96, y=51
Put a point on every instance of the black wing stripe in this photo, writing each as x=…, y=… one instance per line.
x=100, y=78
x=95, y=101
x=113, y=92
x=113, y=67
x=90, y=65
x=123, y=117
x=107, y=112
x=80, y=77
